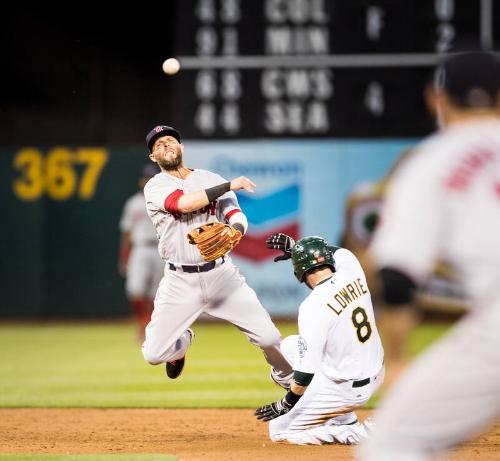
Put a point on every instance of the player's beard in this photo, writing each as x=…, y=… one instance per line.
x=173, y=164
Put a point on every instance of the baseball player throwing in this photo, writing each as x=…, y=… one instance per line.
x=444, y=202
x=179, y=200
x=138, y=260
x=337, y=358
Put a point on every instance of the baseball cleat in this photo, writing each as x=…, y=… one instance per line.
x=175, y=367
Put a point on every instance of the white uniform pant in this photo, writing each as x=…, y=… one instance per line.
x=222, y=293
x=324, y=414
x=144, y=271
x=448, y=395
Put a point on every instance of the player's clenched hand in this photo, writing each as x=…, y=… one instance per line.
x=281, y=242
x=273, y=410
x=242, y=183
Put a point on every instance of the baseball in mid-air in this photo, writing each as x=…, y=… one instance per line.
x=171, y=66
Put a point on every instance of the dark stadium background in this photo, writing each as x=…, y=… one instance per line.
x=86, y=75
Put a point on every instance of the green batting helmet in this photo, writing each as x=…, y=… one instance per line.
x=311, y=252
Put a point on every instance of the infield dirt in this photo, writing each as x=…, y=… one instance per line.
x=191, y=435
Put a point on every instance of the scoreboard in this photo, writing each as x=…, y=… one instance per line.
x=315, y=68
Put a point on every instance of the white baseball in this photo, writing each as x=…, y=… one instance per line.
x=171, y=66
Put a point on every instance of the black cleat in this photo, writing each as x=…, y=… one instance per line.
x=174, y=368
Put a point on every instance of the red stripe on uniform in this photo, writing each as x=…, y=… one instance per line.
x=171, y=203
x=231, y=213
x=497, y=188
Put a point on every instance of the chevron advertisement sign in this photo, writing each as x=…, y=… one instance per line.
x=276, y=212
x=301, y=189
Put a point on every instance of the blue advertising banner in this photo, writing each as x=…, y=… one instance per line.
x=62, y=205
x=301, y=190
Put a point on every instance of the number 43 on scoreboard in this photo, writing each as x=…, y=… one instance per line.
x=57, y=173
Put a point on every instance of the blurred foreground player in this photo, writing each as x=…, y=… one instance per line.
x=439, y=293
x=444, y=202
x=139, y=261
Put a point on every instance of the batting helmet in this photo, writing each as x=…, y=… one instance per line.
x=311, y=252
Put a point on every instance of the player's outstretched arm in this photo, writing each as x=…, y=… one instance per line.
x=242, y=183
x=193, y=201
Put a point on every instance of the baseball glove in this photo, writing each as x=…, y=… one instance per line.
x=214, y=239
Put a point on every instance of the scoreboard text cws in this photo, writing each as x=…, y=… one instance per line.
x=354, y=86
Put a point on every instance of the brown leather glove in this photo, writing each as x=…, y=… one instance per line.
x=214, y=239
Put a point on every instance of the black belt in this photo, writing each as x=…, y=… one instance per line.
x=196, y=268
x=361, y=382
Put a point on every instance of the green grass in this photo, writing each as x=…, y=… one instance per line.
x=101, y=365
x=425, y=335
x=117, y=457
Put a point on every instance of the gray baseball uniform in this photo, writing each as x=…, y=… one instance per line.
x=444, y=202
x=145, y=267
x=190, y=286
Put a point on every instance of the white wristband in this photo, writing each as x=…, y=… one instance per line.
x=239, y=218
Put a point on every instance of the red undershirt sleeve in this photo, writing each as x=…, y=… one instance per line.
x=171, y=203
x=232, y=212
